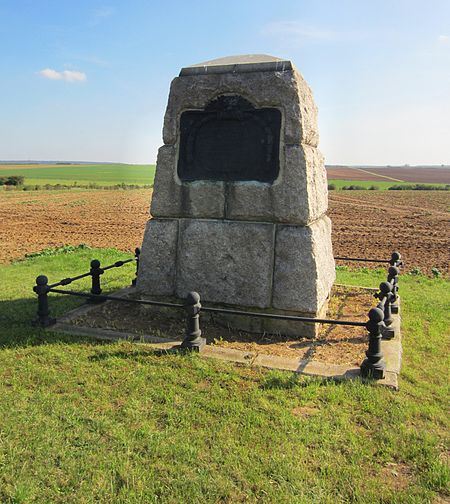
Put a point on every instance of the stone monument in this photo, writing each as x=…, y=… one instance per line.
x=240, y=195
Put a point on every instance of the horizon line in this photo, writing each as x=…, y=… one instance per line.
x=60, y=161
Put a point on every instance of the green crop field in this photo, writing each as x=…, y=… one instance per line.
x=112, y=174
x=88, y=421
x=100, y=174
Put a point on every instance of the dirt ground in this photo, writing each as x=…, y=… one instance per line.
x=365, y=223
x=334, y=344
x=372, y=224
x=35, y=220
x=416, y=174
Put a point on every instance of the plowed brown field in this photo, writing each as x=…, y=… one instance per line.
x=397, y=174
x=372, y=224
x=365, y=223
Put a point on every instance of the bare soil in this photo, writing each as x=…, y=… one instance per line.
x=35, y=220
x=335, y=344
x=373, y=224
x=416, y=174
x=365, y=223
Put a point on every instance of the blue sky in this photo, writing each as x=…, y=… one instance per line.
x=88, y=80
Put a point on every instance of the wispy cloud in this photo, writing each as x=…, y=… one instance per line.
x=99, y=15
x=66, y=75
x=94, y=60
x=298, y=32
x=444, y=39
x=103, y=12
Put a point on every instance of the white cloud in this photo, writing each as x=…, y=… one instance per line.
x=66, y=75
x=48, y=73
x=74, y=76
x=444, y=39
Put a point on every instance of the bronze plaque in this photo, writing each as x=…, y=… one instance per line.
x=230, y=140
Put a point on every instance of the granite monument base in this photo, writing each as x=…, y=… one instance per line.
x=245, y=265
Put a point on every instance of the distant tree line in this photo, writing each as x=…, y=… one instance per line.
x=18, y=185
x=353, y=187
x=419, y=187
x=11, y=180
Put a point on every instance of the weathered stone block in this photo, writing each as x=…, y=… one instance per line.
x=298, y=196
x=166, y=193
x=285, y=90
x=158, y=258
x=171, y=198
x=226, y=262
x=304, y=266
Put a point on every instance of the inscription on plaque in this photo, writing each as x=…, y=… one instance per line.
x=230, y=140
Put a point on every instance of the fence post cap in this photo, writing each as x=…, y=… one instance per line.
x=393, y=271
x=385, y=287
x=95, y=263
x=396, y=256
x=376, y=314
x=193, y=298
x=41, y=280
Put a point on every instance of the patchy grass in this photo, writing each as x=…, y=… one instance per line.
x=99, y=422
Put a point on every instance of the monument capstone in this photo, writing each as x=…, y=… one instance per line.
x=240, y=196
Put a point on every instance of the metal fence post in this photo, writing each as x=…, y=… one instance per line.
x=386, y=294
x=392, y=278
x=374, y=365
x=95, y=272
x=396, y=259
x=193, y=338
x=43, y=313
x=137, y=253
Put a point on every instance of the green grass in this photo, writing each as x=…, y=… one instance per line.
x=113, y=422
x=104, y=174
x=382, y=185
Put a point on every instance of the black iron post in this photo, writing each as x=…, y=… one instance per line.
x=392, y=278
x=137, y=253
x=386, y=293
x=95, y=272
x=43, y=313
x=396, y=259
x=193, y=338
x=374, y=365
